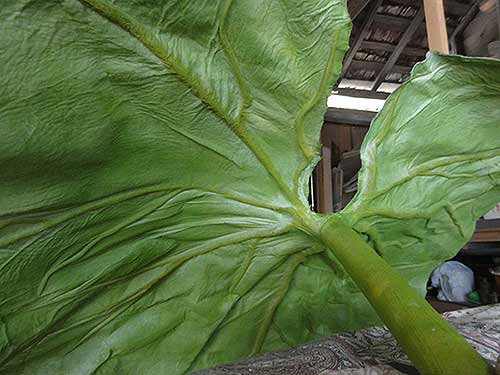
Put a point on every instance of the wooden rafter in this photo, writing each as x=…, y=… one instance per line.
x=355, y=7
x=357, y=93
x=377, y=66
x=392, y=22
x=405, y=39
x=408, y=29
x=452, y=7
x=396, y=23
x=365, y=28
x=464, y=22
x=410, y=51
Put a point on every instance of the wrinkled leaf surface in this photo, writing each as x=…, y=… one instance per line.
x=154, y=159
x=154, y=162
x=431, y=164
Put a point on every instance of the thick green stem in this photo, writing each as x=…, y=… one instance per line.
x=431, y=343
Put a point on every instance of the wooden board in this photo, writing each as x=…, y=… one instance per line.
x=358, y=135
x=436, y=26
x=324, y=187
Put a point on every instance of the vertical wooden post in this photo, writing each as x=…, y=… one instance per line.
x=498, y=18
x=436, y=26
x=324, y=170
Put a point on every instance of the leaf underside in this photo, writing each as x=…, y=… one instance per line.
x=154, y=165
x=154, y=162
x=431, y=164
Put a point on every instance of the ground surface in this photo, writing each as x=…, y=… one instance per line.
x=372, y=351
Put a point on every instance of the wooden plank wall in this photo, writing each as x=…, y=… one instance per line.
x=322, y=176
x=336, y=140
x=346, y=138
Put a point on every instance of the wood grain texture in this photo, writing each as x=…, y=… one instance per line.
x=436, y=26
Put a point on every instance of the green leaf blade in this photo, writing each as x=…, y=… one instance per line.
x=153, y=194
x=431, y=164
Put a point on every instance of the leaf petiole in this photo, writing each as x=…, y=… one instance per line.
x=430, y=342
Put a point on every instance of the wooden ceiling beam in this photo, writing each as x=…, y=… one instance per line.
x=464, y=22
x=385, y=21
x=405, y=39
x=387, y=47
x=377, y=66
x=392, y=22
x=452, y=7
x=349, y=117
x=357, y=93
x=365, y=28
x=355, y=7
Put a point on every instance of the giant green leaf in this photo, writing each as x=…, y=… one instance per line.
x=431, y=164
x=154, y=160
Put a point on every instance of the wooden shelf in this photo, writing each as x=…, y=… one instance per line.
x=487, y=231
